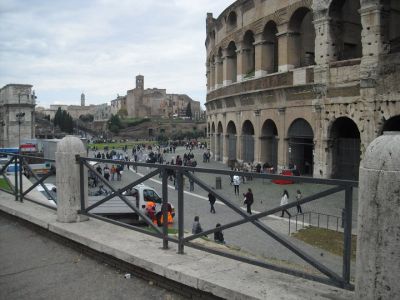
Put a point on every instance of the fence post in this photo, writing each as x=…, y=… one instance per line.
x=347, y=233
x=68, y=180
x=165, y=206
x=21, y=198
x=179, y=179
x=378, y=240
x=16, y=176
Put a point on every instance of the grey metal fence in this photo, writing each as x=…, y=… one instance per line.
x=331, y=277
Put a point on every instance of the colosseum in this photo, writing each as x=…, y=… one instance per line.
x=302, y=82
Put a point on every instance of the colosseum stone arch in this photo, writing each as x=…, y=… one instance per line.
x=309, y=83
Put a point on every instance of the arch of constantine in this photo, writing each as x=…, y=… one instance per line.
x=305, y=82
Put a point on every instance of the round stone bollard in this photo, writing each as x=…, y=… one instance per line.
x=68, y=180
x=378, y=242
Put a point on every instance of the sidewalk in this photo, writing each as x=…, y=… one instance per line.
x=220, y=276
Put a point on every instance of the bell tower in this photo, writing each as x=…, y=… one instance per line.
x=140, y=82
x=82, y=99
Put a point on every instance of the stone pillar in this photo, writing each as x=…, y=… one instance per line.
x=262, y=55
x=240, y=58
x=378, y=241
x=212, y=76
x=282, y=142
x=226, y=68
x=68, y=180
x=212, y=144
x=257, y=135
x=218, y=72
x=225, y=148
x=286, y=42
x=208, y=76
x=374, y=39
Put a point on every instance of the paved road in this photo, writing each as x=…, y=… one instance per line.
x=33, y=266
x=247, y=237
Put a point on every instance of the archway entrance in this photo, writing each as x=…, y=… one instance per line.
x=231, y=141
x=212, y=139
x=346, y=149
x=220, y=142
x=269, y=143
x=248, y=141
x=393, y=124
x=301, y=146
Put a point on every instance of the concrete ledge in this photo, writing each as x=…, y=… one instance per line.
x=219, y=276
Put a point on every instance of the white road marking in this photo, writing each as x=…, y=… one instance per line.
x=219, y=202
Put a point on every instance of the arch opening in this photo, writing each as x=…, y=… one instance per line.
x=219, y=142
x=231, y=62
x=345, y=138
x=231, y=141
x=269, y=144
x=248, y=141
x=249, y=53
x=270, y=48
x=302, y=38
x=345, y=29
x=301, y=147
x=394, y=25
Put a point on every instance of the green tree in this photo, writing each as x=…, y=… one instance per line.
x=86, y=118
x=189, y=110
x=114, y=124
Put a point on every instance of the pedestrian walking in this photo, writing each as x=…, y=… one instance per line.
x=218, y=235
x=106, y=172
x=299, y=196
x=248, y=200
x=212, y=200
x=113, y=172
x=196, y=228
x=236, y=184
x=284, y=201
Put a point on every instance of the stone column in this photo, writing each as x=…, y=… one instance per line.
x=240, y=58
x=285, y=48
x=263, y=57
x=374, y=39
x=378, y=240
x=257, y=136
x=282, y=142
x=225, y=148
x=212, y=76
x=218, y=72
x=212, y=144
x=208, y=76
x=68, y=180
x=226, y=80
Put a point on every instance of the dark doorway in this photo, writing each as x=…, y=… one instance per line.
x=345, y=149
x=269, y=143
x=231, y=141
x=248, y=141
x=301, y=146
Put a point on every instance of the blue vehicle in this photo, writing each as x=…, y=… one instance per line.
x=5, y=151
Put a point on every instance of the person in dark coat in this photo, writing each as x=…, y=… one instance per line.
x=196, y=228
x=248, y=200
x=218, y=235
x=212, y=200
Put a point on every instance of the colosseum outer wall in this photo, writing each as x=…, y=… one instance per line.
x=305, y=83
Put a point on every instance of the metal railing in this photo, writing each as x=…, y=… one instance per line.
x=21, y=168
x=306, y=219
x=332, y=277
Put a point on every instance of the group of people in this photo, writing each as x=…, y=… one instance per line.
x=218, y=235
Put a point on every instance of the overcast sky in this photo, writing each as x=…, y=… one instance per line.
x=97, y=47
